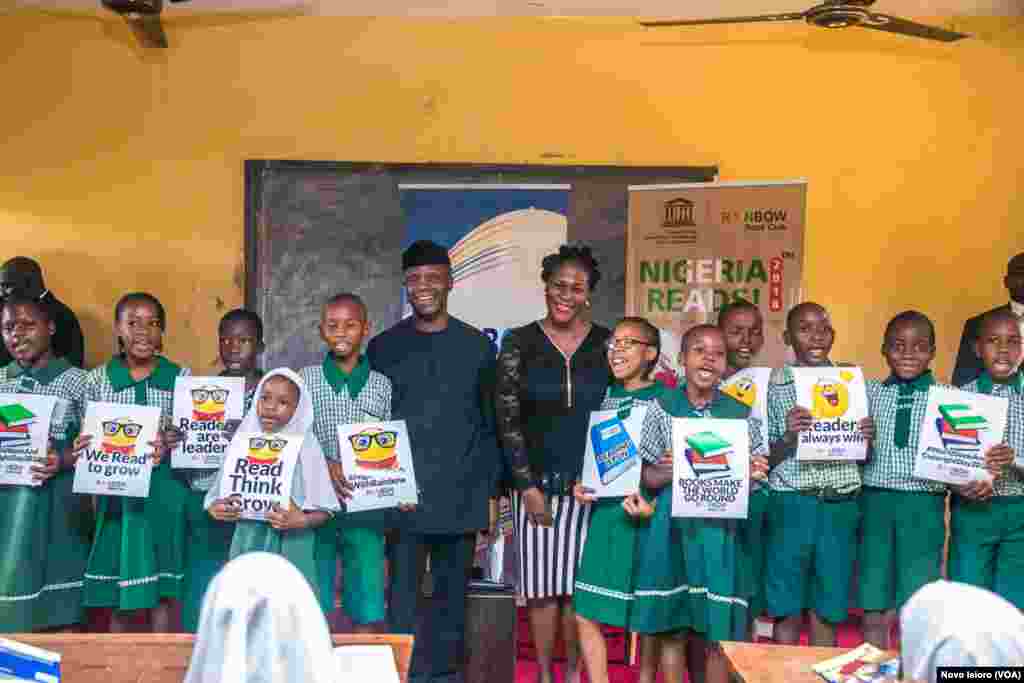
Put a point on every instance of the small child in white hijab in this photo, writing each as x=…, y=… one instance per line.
x=284, y=406
x=261, y=623
x=953, y=624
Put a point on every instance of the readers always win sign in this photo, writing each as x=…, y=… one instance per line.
x=959, y=427
x=838, y=401
x=710, y=467
x=258, y=471
x=377, y=459
x=611, y=462
x=202, y=406
x=25, y=435
x=118, y=462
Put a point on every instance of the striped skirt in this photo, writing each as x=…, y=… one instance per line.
x=549, y=556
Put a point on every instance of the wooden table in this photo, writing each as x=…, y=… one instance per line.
x=761, y=663
x=158, y=657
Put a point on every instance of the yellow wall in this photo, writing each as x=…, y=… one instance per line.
x=123, y=171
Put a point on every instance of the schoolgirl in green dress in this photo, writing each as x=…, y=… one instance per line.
x=43, y=538
x=136, y=562
x=284, y=406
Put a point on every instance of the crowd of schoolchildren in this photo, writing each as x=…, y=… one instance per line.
x=675, y=581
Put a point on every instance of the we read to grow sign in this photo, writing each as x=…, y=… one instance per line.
x=119, y=460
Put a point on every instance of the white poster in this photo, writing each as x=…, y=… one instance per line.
x=258, y=470
x=202, y=405
x=24, y=435
x=750, y=387
x=838, y=401
x=710, y=467
x=377, y=459
x=611, y=461
x=118, y=462
x=959, y=427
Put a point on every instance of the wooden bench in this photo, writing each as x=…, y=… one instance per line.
x=158, y=657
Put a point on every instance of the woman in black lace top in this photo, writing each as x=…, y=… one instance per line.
x=551, y=375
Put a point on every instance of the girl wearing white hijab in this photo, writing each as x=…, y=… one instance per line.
x=284, y=406
x=953, y=624
x=260, y=623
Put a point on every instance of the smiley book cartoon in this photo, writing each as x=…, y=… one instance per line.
x=15, y=420
x=708, y=455
x=374, y=449
x=208, y=403
x=120, y=435
x=614, y=452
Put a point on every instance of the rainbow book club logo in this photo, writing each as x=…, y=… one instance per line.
x=15, y=421
x=959, y=427
x=708, y=455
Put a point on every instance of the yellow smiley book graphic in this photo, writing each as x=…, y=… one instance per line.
x=375, y=449
x=208, y=403
x=743, y=390
x=265, y=450
x=120, y=435
x=829, y=398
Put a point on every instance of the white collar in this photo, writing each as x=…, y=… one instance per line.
x=1017, y=308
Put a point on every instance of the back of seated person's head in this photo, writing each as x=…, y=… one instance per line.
x=261, y=622
x=953, y=624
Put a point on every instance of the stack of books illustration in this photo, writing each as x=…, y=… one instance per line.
x=958, y=427
x=708, y=455
x=15, y=420
x=614, y=452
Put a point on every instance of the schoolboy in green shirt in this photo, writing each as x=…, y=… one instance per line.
x=987, y=523
x=812, y=524
x=903, y=528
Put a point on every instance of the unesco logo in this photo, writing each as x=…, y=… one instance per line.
x=678, y=213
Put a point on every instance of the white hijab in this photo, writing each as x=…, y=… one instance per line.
x=261, y=623
x=953, y=624
x=316, y=490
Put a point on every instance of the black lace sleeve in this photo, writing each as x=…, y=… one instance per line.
x=508, y=409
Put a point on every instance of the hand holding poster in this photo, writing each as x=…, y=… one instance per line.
x=258, y=470
x=838, y=401
x=750, y=387
x=611, y=461
x=118, y=461
x=24, y=435
x=202, y=405
x=959, y=427
x=377, y=459
x=710, y=468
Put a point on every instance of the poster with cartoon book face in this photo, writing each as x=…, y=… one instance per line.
x=118, y=461
x=258, y=472
x=750, y=387
x=377, y=459
x=202, y=406
x=24, y=435
x=838, y=401
x=710, y=468
x=958, y=429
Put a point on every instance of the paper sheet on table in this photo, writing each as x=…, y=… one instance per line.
x=366, y=663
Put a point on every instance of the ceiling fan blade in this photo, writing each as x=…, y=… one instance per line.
x=884, y=22
x=790, y=16
x=147, y=29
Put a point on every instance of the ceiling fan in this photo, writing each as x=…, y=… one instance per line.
x=143, y=17
x=833, y=14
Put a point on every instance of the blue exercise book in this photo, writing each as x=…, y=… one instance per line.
x=20, y=662
x=614, y=452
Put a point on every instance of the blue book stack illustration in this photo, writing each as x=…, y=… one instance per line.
x=20, y=662
x=614, y=452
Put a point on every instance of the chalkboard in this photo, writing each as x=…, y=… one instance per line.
x=314, y=229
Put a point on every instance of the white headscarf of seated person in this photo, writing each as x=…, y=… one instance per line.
x=316, y=490
x=946, y=623
x=261, y=623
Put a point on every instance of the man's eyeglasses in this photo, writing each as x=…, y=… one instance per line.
x=361, y=442
x=258, y=443
x=203, y=395
x=130, y=429
x=625, y=344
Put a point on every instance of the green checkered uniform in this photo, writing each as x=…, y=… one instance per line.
x=363, y=395
x=207, y=540
x=812, y=523
x=137, y=556
x=903, y=528
x=603, y=590
x=987, y=547
x=45, y=530
x=712, y=579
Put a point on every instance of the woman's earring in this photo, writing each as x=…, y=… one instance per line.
x=587, y=303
